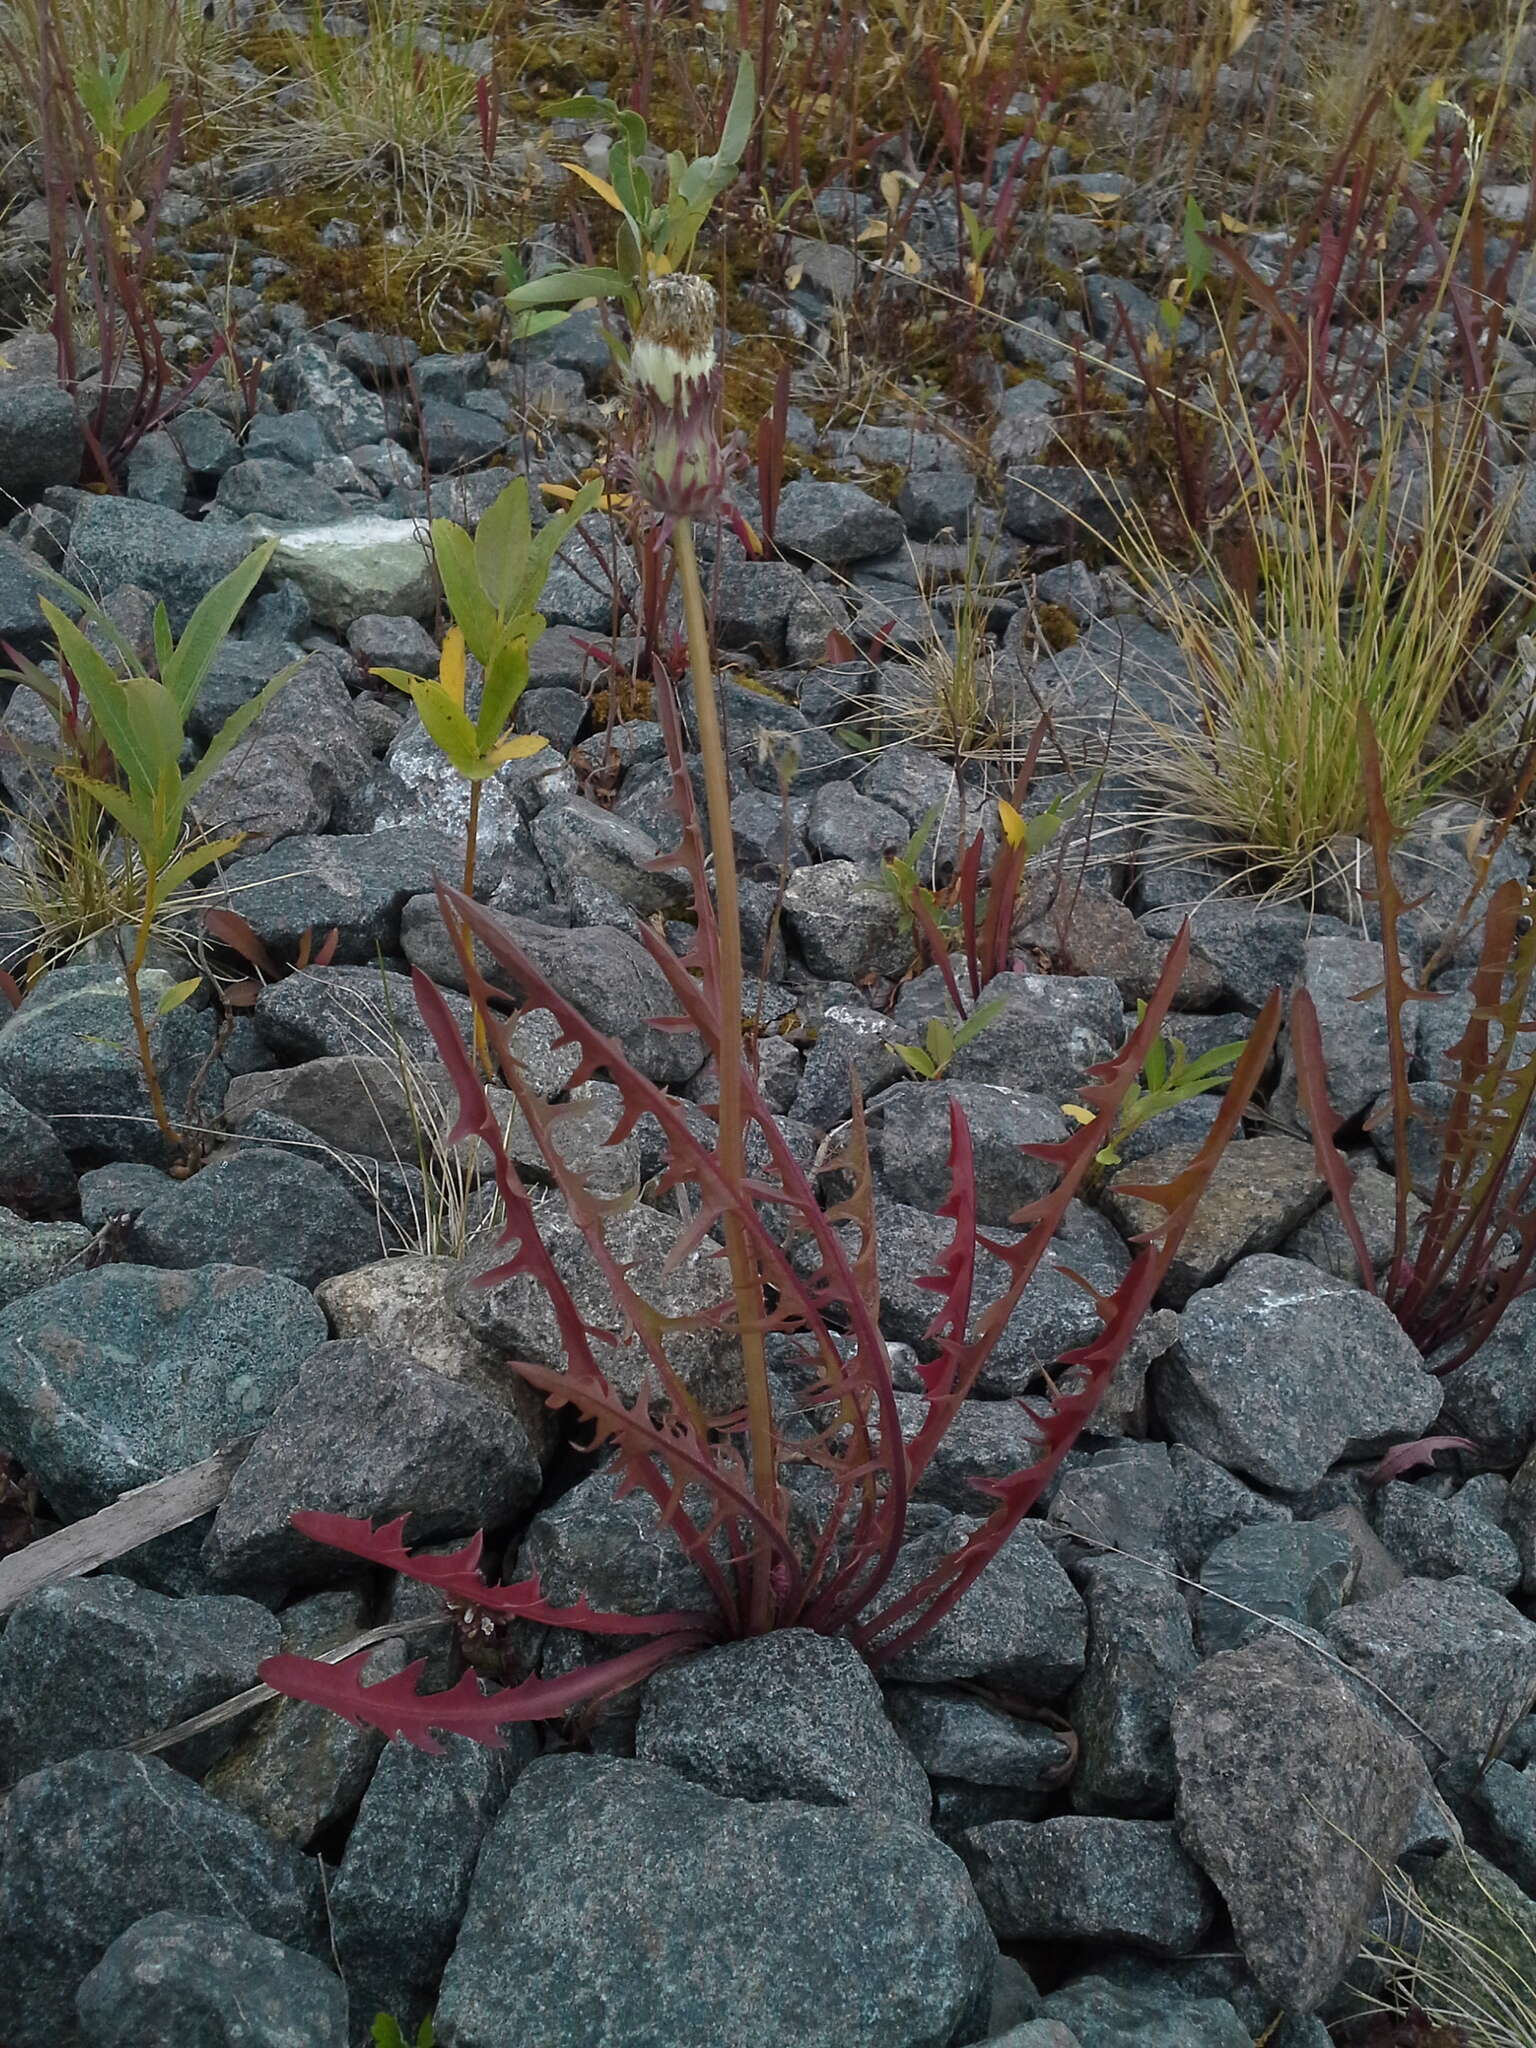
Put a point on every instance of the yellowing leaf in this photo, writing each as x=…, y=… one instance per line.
x=661, y=264
x=177, y=994
x=611, y=501
x=911, y=262
x=1015, y=831
x=1078, y=1114
x=600, y=186
x=1233, y=226
x=518, y=748
x=452, y=667
x=891, y=183
x=875, y=231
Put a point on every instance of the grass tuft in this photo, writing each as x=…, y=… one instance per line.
x=1326, y=590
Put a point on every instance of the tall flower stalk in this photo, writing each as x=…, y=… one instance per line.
x=680, y=470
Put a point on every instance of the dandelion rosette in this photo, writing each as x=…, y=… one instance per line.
x=675, y=459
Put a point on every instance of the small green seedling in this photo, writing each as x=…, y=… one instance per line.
x=387, y=2033
x=656, y=236
x=1169, y=1078
x=492, y=582
x=143, y=721
x=942, y=1040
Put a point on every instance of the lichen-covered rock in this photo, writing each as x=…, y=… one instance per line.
x=113, y=1378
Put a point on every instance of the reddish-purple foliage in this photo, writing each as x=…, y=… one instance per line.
x=1472, y=1251
x=826, y=1565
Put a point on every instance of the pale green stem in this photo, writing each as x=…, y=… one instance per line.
x=746, y=1283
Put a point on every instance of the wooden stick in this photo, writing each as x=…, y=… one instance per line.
x=132, y=1519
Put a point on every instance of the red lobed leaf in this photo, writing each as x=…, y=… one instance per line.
x=395, y=1707
x=1410, y=1457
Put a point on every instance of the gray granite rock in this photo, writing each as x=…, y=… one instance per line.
x=69, y=1056
x=42, y=441
x=1120, y=1496
x=1456, y=1659
x=308, y=378
x=203, y=1981
x=1083, y=1878
x=94, y=1845
x=1281, y=1370
x=1443, y=1539
x=579, y=839
x=34, y=1255
x=834, y=524
x=399, y=1306
x=1272, y=1722
x=603, y=1881
x=356, y=884
x=299, y=1770
x=338, y=1012
x=101, y=1661
x=1258, y=1193
x=1208, y=1505
x=845, y=922
x=36, y=1177
x=116, y=540
x=398, y=1898
x=1336, y=973
x=790, y=1715
x=986, y=1440
x=614, y=1549
x=1295, y=1572
x=357, y=1103
x=1255, y=947
x=363, y=1433
x=1053, y=1313
x=517, y=1315
x=1148, y=2013
x=1492, y=1398
x=278, y=1211
x=955, y=1735
x=1021, y=1622
x=912, y=1145
x=1047, y=1031
x=116, y=1377
x=1139, y=1650
x=607, y=976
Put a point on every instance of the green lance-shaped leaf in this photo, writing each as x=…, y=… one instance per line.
x=185, y=670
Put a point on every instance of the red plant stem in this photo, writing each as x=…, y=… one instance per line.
x=472, y=838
